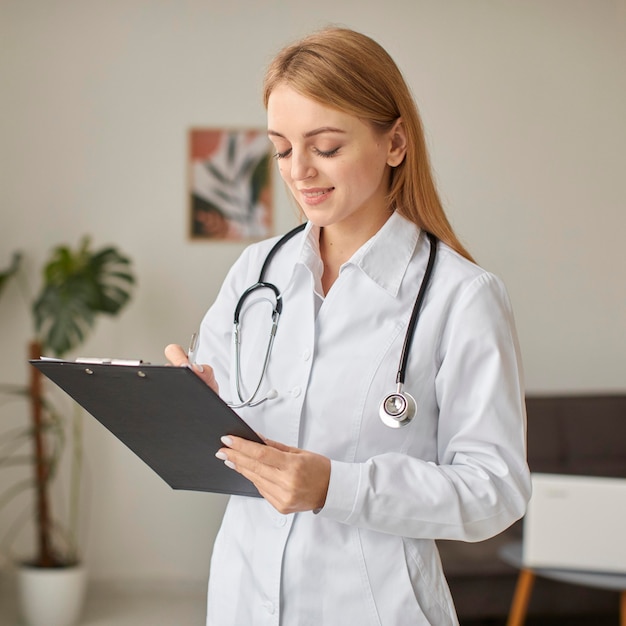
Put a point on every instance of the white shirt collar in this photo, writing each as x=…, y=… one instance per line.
x=384, y=258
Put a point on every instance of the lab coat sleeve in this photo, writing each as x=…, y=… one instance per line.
x=480, y=483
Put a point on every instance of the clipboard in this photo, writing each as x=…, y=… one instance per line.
x=166, y=415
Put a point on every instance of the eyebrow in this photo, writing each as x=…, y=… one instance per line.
x=311, y=133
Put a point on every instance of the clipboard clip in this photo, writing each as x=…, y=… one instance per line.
x=96, y=361
x=89, y=371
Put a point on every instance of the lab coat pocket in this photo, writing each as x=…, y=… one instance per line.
x=405, y=583
x=429, y=585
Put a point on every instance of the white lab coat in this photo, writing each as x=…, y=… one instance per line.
x=457, y=471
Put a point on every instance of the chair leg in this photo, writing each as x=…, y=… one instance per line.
x=521, y=598
x=622, y=608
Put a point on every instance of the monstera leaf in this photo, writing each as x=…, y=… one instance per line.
x=79, y=285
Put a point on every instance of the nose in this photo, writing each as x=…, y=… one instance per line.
x=301, y=165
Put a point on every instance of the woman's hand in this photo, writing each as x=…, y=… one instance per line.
x=290, y=479
x=177, y=356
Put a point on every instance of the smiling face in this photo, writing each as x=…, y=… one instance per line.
x=336, y=166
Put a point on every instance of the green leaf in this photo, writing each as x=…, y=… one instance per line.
x=79, y=285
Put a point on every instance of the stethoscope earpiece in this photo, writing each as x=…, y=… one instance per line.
x=397, y=409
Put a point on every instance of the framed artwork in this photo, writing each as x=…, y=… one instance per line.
x=230, y=184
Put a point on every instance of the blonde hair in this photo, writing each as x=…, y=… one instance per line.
x=349, y=71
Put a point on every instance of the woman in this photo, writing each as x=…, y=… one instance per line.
x=344, y=533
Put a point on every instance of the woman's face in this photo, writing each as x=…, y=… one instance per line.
x=336, y=166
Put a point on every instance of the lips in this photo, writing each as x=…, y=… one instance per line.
x=313, y=193
x=317, y=195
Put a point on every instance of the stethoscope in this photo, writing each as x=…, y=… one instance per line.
x=398, y=408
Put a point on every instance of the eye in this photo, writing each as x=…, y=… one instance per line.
x=326, y=153
x=283, y=155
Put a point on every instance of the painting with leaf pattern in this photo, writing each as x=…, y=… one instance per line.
x=230, y=184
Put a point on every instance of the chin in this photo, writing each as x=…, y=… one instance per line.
x=321, y=221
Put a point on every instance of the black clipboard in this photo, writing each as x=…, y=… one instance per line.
x=166, y=415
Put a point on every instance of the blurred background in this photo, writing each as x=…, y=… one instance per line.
x=523, y=103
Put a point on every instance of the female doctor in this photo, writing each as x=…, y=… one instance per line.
x=365, y=466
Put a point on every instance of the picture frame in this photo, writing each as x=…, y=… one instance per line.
x=230, y=184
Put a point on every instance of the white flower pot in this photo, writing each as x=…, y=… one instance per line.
x=51, y=597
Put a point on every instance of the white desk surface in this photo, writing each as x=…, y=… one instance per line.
x=511, y=553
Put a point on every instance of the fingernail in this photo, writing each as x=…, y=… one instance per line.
x=226, y=440
x=221, y=456
x=199, y=367
x=229, y=464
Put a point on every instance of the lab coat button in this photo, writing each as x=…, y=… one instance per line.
x=306, y=355
x=281, y=520
x=296, y=391
x=269, y=607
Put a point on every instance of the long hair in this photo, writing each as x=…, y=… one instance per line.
x=348, y=71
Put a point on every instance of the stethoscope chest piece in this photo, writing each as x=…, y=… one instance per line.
x=397, y=409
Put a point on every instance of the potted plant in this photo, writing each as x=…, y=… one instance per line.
x=78, y=286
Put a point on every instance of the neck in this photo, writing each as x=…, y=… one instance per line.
x=339, y=242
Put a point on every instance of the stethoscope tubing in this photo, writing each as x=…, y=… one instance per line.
x=410, y=331
x=276, y=311
x=284, y=239
x=394, y=419
x=399, y=408
x=250, y=401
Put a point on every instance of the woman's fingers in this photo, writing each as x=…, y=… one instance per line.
x=177, y=356
x=291, y=479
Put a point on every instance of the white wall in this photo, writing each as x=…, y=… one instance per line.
x=524, y=106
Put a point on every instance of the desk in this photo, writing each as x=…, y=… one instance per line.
x=511, y=553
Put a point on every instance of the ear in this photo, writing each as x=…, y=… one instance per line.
x=398, y=144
